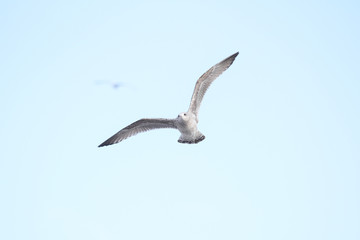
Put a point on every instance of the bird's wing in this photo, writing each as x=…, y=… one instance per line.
x=205, y=81
x=139, y=126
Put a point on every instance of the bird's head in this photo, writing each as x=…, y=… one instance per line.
x=184, y=116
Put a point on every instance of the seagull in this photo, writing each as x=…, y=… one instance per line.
x=185, y=122
x=114, y=85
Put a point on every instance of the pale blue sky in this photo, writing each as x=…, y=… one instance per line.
x=281, y=158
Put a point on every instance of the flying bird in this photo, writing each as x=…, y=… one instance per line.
x=114, y=85
x=185, y=122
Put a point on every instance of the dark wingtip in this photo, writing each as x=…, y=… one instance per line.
x=104, y=144
x=231, y=58
x=234, y=55
x=109, y=142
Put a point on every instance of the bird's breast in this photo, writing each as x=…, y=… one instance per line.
x=187, y=127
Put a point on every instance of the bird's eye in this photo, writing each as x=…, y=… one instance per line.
x=184, y=114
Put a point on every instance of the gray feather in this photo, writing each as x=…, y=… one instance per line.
x=139, y=126
x=204, y=82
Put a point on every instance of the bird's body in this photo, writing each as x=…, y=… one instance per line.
x=187, y=125
x=186, y=122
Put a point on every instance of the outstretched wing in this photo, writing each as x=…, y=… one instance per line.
x=205, y=81
x=139, y=126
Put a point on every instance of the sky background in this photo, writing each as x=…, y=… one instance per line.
x=281, y=158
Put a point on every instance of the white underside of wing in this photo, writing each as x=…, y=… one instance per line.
x=204, y=82
x=139, y=126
